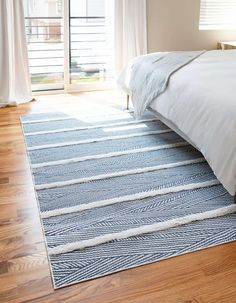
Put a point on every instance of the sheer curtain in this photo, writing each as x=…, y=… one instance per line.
x=15, y=86
x=130, y=31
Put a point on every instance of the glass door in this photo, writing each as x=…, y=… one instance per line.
x=44, y=31
x=91, y=43
x=70, y=43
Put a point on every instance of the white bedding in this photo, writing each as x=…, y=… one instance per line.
x=153, y=71
x=200, y=100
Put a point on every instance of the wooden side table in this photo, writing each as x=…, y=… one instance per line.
x=226, y=45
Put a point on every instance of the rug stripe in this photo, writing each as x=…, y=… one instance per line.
x=61, y=130
x=47, y=120
x=70, y=118
x=118, y=174
x=127, y=198
x=109, y=155
x=108, y=138
x=160, y=226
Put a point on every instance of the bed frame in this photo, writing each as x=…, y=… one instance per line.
x=127, y=107
x=127, y=101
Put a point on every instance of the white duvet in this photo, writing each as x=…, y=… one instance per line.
x=200, y=101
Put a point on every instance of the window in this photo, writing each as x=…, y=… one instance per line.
x=70, y=43
x=217, y=14
x=44, y=32
x=91, y=41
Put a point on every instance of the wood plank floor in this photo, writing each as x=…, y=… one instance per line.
x=207, y=276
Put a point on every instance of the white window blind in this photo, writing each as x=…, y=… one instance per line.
x=217, y=14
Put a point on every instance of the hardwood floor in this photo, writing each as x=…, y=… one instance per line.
x=207, y=276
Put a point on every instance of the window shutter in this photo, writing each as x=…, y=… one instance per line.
x=217, y=14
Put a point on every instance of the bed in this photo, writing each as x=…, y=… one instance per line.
x=198, y=102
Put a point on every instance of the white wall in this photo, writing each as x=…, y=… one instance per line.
x=174, y=25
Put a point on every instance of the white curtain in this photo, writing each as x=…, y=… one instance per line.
x=15, y=86
x=130, y=31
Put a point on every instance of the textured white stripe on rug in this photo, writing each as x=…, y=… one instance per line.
x=145, y=229
x=61, y=130
x=118, y=174
x=108, y=138
x=109, y=155
x=73, y=117
x=127, y=198
x=47, y=120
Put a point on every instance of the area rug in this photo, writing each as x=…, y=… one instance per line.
x=115, y=193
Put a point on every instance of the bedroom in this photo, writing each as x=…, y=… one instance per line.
x=102, y=200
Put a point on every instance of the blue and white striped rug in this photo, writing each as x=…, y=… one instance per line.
x=115, y=193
